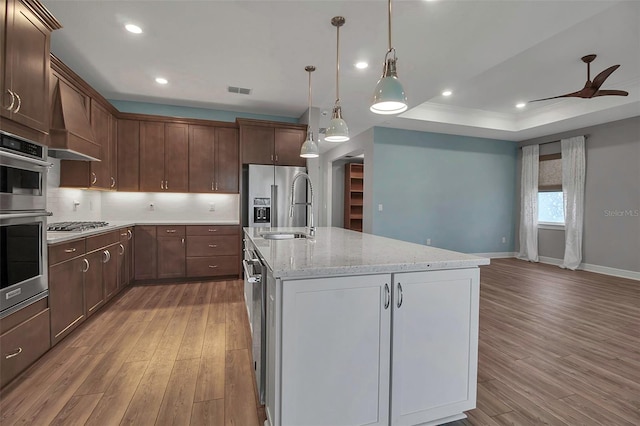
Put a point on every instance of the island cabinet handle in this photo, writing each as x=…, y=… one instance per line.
x=399, y=295
x=14, y=353
x=387, y=298
x=71, y=250
x=171, y=231
x=213, y=266
x=213, y=245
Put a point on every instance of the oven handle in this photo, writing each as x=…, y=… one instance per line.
x=26, y=159
x=250, y=278
x=21, y=215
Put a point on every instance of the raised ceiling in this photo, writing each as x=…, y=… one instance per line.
x=491, y=54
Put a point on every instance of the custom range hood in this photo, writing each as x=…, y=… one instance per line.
x=71, y=135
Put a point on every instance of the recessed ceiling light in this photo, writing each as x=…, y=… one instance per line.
x=447, y=93
x=361, y=65
x=132, y=28
x=161, y=80
x=521, y=105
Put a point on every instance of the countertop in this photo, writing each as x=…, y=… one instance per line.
x=337, y=251
x=62, y=236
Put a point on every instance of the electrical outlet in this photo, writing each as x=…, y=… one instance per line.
x=76, y=203
x=428, y=241
x=504, y=240
x=152, y=206
x=212, y=207
x=379, y=207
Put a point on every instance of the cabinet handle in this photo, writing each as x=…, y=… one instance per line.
x=213, y=266
x=124, y=234
x=94, y=178
x=14, y=353
x=271, y=157
x=130, y=233
x=19, y=104
x=213, y=245
x=387, y=296
x=213, y=230
x=216, y=186
x=171, y=231
x=399, y=295
x=183, y=241
x=71, y=250
x=121, y=249
x=212, y=186
x=113, y=182
x=161, y=184
x=276, y=158
x=107, y=256
x=13, y=100
x=86, y=262
x=166, y=184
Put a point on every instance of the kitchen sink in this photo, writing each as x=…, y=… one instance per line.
x=282, y=235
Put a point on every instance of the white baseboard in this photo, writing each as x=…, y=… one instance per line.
x=595, y=268
x=496, y=254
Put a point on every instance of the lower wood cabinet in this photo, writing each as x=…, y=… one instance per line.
x=24, y=337
x=125, y=257
x=171, y=251
x=110, y=270
x=94, y=296
x=146, y=257
x=66, y=296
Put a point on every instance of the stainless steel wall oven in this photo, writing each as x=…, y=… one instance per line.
x=23, y=223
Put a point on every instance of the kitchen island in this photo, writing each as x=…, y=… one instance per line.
x=366, y=330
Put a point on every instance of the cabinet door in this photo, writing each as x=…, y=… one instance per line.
x=171, y=257
x=93, y=283
x=257, y=144
x=26, y=70
x=287, y=147
x=101, y=126
x=66, y=297
x=336, y=349
x=201, y=167
x=227, y=161
x=151, y=156
x=435, y=341
x=113, y=153
x=176, y=157
x=128, y=141
x=131, y=257
x=110, y=270
x=146, y=261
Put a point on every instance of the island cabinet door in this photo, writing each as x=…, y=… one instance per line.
x=434, y=345
x=335, y=351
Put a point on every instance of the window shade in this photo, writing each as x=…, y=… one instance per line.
x=550, y=172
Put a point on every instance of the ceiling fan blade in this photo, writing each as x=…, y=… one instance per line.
x=600, y=78
x=568, y=95
x=611, y=93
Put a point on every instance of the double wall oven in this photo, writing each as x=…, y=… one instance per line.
x=23, y=223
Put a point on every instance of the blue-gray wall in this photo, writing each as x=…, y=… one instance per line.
x=458, y=191
x=190, y=112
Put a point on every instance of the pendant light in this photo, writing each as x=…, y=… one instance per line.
x=309, y=147
x=389, y=96
x=337, y=131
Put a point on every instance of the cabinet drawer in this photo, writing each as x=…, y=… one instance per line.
x=223, y=245
x=23, y=345
x=66, y=251
x=213, y=230
x=102, y=240
x=212, y=266
x=170, y=231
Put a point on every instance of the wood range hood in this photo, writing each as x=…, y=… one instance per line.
x=71, y=135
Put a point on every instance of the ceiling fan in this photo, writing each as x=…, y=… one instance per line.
x=591, y=89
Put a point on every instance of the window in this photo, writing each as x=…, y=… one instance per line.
x=550, y=198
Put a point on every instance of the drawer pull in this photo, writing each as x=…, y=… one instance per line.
x=171, y=231
x=15, y=353
x=124, y=234
x=213, y=245
x=71, y=250
x=213, y=230
x=213, y=266
x=129, y=233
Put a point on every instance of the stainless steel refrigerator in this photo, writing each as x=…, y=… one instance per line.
x=269, y=196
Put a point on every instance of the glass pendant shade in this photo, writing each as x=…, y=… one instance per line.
x=389, y=96
x=309, y=147
x=337, y=131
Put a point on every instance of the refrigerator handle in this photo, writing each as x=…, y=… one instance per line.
x=274, y=206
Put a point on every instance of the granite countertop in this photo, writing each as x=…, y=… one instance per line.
x=54, y=237
x=337, y=251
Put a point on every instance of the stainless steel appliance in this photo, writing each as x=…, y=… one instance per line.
x=23, y=223
x=268, y=202
x=255, y=281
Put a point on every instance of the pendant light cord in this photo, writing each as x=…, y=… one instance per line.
x=390, y=26
x=338, y=65
x=309, y=110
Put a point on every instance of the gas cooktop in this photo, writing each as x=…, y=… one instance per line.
x=75, y=226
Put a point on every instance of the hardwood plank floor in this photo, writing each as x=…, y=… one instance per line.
x=556, y=347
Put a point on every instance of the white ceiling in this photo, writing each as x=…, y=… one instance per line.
x=492, y=54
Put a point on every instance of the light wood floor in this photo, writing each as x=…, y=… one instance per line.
x=556, y=347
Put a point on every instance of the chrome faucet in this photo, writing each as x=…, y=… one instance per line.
x=312, y=229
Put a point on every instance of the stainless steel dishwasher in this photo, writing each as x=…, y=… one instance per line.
x=255, y=279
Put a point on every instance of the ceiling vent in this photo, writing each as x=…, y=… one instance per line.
x=239, y=90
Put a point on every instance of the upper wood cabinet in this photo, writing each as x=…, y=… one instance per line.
x=213, y=159
x=163, y=156
x=266, y=142
x=128, y=155
x=24, y=83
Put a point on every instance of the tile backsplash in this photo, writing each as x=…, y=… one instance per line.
x=80, y=204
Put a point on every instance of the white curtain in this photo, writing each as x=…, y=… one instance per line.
x=573, y=178
x=529, y=204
